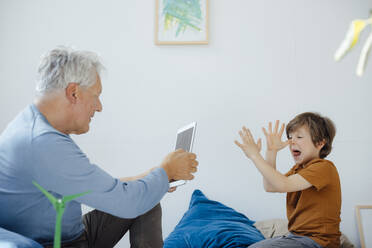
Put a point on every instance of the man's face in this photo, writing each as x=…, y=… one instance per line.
x=302, y=147
x=88, y=103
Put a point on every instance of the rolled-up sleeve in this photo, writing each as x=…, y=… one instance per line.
x=60, y=166
x=318, y=174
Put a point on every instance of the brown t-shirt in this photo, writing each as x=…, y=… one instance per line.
x=315, y=211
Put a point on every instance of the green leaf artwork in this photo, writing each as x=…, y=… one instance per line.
x=183, y=14
x=59, y=206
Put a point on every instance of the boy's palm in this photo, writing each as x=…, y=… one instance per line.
x=249, y=146
x=274, y=137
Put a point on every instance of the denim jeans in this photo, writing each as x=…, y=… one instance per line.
x=287, y=241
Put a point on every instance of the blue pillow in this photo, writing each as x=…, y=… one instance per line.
x=209, y=223
x=10, y=239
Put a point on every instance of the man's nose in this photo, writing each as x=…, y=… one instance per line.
x=99, y=106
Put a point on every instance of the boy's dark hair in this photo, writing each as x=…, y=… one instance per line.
x=321, y=128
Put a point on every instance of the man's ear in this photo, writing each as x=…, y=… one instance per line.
x=72, y=92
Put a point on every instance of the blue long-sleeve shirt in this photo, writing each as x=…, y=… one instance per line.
x=31, y=149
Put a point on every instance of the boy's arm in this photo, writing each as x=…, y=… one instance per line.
x=274, y=144
x=278, y=181
x=271, y=160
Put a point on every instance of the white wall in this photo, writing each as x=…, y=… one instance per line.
x=266, y=60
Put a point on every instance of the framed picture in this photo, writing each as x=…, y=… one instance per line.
x=180, y=22
x=364, y=220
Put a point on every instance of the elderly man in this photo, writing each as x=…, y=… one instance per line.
x=37, y=146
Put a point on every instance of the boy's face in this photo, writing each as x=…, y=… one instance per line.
x=302, y=147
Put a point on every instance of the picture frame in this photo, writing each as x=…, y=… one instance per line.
x=361, y=226
x=181, y=22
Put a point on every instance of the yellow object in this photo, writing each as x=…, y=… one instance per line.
x=363, y=56
x=358, y=25
x=352, y=37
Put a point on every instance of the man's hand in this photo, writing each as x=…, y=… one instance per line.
x=274, y=138
x=179, y=165
x=170, y=190
x=249, y=147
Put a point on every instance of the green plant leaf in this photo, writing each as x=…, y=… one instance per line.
x=51, y=198
x=71, y=197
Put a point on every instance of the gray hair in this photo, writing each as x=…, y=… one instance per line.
x=64, y=65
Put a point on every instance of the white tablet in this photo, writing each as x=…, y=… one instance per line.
x=185, y=140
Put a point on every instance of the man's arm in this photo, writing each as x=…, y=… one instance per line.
x=140, y=176
x=179, y=165
x=60, y=166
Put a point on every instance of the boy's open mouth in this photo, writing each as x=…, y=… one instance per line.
x=296, y=153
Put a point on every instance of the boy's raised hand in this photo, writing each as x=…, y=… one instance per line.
x=249, y=146
x=274, y=137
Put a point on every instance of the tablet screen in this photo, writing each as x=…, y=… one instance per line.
x=184, y=139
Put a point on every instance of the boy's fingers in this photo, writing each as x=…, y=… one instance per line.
x=249, y=134
x=246, y=134
x=270, y=127
x=276, y=126
x=281, y=130
x=242, y=136
x=259, y=144
x=238, y=144
x=265, y=132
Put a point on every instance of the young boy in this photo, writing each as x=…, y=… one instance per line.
x=312, y=185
